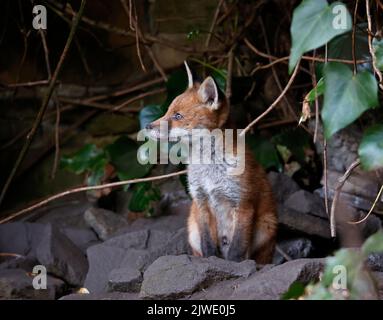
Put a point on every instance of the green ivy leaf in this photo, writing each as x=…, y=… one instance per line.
x=150, y=113
x=97, y=172
x=346, y=96
x=378, y=49
x=144, y=194
x=85, y=159
x=371, y=148
x=176, y=84
x=340, y=47
x=193, y=34
x=220, y=78
x=295, y=141
x=312, y=27
x=265, y=152
x=316, y=92
x=123, y=156
x=296, y=290
x=374, y=244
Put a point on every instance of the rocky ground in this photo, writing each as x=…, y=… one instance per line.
x=83, y=246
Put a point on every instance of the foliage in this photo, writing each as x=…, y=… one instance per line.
x=312, y=27
x=359, y=283
x=121, y=155
x=347, y=94
x=143, y=197
x=90, y=160
x=265, y=152
x=316, y=92
x=377, y=44
x=371, y=148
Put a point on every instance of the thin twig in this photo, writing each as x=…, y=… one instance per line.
x=139, y=97
x=282, y=253
x=229, y=75
x=156, y=63
x=138, y=36
x=338, y=188
x=353, y=36
x=213, y=23
x=44, y=104
x=46, y=53
x=87, y=103
x=57, y=139
x=325, y=172
x=128, y=90
x=29, y=84
x=57, y=103
x=8, y=254
x=128, y=33
x=377, y=199
x=309, y=58
x=83, y=57
x=372, y=52
x=325, y=176
x=88, y=188
x=276, y=101
x=314, y=83
x=274, y=72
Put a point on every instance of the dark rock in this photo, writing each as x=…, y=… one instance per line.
x=220, y=290
x=132, y=240
x=352, y=200
x=372, y=225
x=18, y=262
x=20, y=237
x=102, y=296
x=378, y=277
x=82, y=238
x=306, y=202
x=173, y=219
x=282, y=185
x=294, y=248
x=17, y=284
x=304, y=223
x=191, y=274
x=61, y=257
x=102, y=260
x=360, y=183
x=375, y=262
x=136, y=250
x=125, y=280
x=69, y=214
x=271, y=284
x=104, y=222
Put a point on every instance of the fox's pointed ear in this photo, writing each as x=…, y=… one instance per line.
x=208, y=93
x=190, y=76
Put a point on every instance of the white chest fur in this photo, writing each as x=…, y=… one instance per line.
x=211, y=182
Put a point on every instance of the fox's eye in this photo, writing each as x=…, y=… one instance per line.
x=177, y=116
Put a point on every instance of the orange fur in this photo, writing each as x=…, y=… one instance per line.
x=251, y=226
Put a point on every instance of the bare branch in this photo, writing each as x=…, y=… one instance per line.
x=88, y=188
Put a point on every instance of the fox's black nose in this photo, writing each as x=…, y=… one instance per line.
x=149, y=126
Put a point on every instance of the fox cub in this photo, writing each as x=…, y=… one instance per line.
x=231, y=216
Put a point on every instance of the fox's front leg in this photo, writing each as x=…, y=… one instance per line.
x=202, y=231
x=237, y=247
